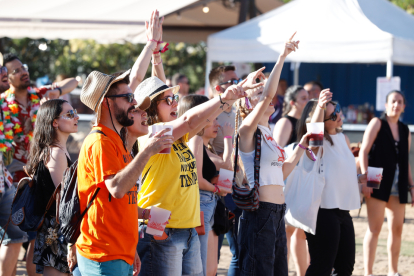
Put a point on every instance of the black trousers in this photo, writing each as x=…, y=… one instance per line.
x=333, y=246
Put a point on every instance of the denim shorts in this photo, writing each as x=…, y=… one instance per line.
x=13, y=233
x=208, y=202
x=262, y=241
x=178, y=254
x=110, y=268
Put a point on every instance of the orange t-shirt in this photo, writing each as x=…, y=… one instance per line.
x=109, y=230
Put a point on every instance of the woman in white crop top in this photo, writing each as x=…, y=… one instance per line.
x=333, y=246
x=262, y=236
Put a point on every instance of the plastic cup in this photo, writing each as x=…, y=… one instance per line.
x=316, y=137
x=158, y=128
x=225, y=179
x=157, y=221
x=374, y=177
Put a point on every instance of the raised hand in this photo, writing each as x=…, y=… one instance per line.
x=304, y=140
x=325, y=97
x=290, y=46
x=251, y=78
x=158, y=142
x=153, y=28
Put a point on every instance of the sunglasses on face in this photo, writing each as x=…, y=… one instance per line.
x=170, y=99
x=334, y=115
x=129, y=96
x=24, y=68
x=3, y=69
x=232, y=81
x=70, y=115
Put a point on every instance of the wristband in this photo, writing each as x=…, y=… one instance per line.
x=223, y=103
x=154, y=63
x=310, y=152
x=324, y=108
x=163, y=50
x=60, y=90
x=228, y=137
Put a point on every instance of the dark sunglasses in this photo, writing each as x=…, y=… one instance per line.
x=170, y=99
x=129, y=96
x=232, y=81
x=334, y=115
x=3, y=69
x=70, y=115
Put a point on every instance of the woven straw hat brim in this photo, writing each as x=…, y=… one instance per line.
x=174, y=89
x=144, y=103
x=95, y=88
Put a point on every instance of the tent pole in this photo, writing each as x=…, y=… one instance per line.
x=207, y=84
x=390, y=67
x=296, y=74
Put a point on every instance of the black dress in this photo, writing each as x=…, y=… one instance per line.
x=293, y=135
x=386, y=153
x=209, y=169
x=50, y=247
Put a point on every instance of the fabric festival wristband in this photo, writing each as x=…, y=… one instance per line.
x=310, y=152
x=154, y=63
x=324, y=108
x=228, y=137
x=60, y=90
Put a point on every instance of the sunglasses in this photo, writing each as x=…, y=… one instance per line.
x=3, y=69
x=24, y=68
x=334, y=115
x=70, y=115
x=232, y=81
x=170, y=99
x=129, y=96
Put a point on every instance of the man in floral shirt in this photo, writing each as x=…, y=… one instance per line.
x=21, y=102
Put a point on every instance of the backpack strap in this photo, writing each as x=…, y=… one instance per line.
x=257, y=153
x=97, y=131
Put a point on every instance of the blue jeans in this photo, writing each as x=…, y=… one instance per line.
x=179, y=254
x=234, y=248
x=262, y=241
x=110, y=268
x=13, y=233
x=208, y=202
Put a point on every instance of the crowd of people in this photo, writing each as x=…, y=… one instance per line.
x=254, y=126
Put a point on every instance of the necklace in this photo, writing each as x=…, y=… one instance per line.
x=14, y=110
x=6, y=128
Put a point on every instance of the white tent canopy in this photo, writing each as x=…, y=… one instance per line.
x=106, y=21
x=330, y=31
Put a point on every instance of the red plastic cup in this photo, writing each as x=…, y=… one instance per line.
x=316, y=137
x=374, y=177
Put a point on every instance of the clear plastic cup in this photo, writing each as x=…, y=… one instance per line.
x=374, y=176
x=157, y=221
x=158, y=128
x=225, y=179
x=316, y=137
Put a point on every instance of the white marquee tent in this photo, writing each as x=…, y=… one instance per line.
x=330, y=31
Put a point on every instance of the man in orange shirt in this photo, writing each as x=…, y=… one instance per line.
x=109, y=230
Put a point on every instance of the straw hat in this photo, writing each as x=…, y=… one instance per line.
x=97, y=85
x=152, y=87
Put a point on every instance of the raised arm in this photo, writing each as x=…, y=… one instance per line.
x=66, y=86
x=282, y=132
x=293, y=160
x=225, y=161
x=197, y=118
x=153, y=30
x=157, y=66
x=250, y=122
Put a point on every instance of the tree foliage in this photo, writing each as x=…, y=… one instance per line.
x=80, y=57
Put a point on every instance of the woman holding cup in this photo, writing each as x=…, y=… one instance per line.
x=385, y=145
x=170, y=181
x=333, y=245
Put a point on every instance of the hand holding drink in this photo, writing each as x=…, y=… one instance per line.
x=374, y=177
x=158, y=128
x=157, y=221
x=225, y=179
x=316, y=136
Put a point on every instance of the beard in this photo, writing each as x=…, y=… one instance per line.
x=4, y=87
x=122, y=116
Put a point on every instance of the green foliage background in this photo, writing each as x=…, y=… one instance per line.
x=80, y=57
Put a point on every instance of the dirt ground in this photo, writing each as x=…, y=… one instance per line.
x=406, y=262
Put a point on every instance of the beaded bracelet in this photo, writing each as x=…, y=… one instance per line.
x=228, y=137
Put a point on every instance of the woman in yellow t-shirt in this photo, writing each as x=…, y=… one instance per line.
x=170, y=181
